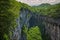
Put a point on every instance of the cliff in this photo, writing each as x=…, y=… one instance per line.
x=50, y=27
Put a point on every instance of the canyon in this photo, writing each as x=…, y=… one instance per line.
x=48, y=25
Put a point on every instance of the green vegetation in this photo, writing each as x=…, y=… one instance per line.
x=9, y=11
x=48, y=10
x=44, y=9
x=33, y=33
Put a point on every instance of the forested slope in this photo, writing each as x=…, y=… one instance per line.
x=48, y=10
x=9, y=10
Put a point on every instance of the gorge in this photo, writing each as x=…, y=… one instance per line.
x=19, y=21
x=48, y=25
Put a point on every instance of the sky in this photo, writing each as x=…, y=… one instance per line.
x=38, y=2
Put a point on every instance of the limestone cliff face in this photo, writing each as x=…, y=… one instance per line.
x=48, y=25
x=52, y=27
x=22, y=20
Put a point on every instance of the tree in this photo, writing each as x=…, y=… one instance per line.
x=34, y=34
x=9, y=10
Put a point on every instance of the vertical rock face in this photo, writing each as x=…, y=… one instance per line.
x=22, y=20
x=25, y=15
x=52, y=28
x=48, y=25
x=17, y=31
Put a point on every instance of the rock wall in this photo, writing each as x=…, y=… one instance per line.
x=48, y=26
x=53, y=29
